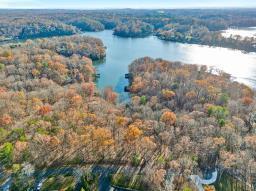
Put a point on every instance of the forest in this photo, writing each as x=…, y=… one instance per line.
x=194, y=26
x=183, y=118
x=208, y=120
x=180, y=120
x=133, y=29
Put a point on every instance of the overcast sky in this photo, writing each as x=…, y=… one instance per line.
x=96, y=4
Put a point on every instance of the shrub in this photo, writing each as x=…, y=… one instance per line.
x=19, y=134
x=1, y=66
x=42, y=131
x=143, y=100
x=6, y=154
x=219, y=112
x=186, y=189
x=16, y=168
x=3, y=134
x=174, y=86
x=136, y=159
x=130, y=182
x=89, y=182
x=161, y=159
x=45, y=64
x=223, y=99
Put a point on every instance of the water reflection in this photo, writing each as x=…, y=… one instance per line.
x=122, y=51
x=243, y=32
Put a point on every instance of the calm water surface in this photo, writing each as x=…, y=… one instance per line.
x=243, y=32
x=122, y=51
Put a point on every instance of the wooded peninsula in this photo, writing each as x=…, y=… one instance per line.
x=180, y=120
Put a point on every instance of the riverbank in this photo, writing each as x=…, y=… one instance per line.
x=122, y=51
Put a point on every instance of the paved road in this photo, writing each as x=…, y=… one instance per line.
x=6, y=185
x=104, y=173
x=200, y=182
x=42, y=176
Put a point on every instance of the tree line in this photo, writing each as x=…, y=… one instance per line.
x=186, y=26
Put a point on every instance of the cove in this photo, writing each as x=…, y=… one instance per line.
x=122, y=51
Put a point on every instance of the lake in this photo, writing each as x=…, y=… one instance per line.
x=122, y=51
x=243, y=32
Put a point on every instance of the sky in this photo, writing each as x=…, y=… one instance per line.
x=101, y=4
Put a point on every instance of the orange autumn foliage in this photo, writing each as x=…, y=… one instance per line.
x=7, y=54
x=54, y=141
x=137, y=84
x=2, y=90
x=133, y=132
x=247, y=100
x=76, y=100
x=201, y=83
x=6, y=119
x=61, y=68
x=35, y=72
x=36, y=103
x=45, y=109
x=21, y=146
x=169, y=118
x=148, y=143
x=168, y=94
x=247, y=92
x=110, y=95
x=88, y=88
x=219, y=141
x=102, y=136
x=191, y=94
x=251, y=141
x=121, y=121
x=209, y=188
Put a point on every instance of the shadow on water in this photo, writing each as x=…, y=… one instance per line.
x=122, y=82
x=124, y=97
x=99, y=62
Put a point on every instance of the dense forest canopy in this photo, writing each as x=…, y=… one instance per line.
x=180, y=120
x=200, y=119
x=24, y=28
x=187, y=26
x=86, y=24
x=133, y=29
x=60, y=60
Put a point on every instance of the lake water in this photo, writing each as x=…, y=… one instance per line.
x=243, y=32
x=122, y=51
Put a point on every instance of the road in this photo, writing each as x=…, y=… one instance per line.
x=199, y=182
x=104, y=173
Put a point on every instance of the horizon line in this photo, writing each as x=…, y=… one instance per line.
x=132, y=8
